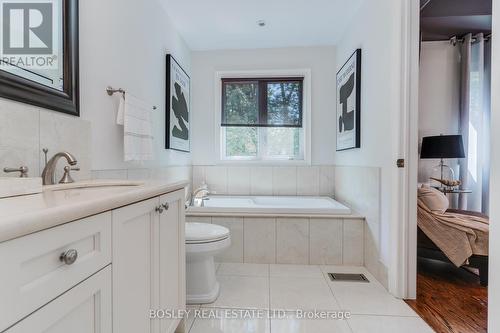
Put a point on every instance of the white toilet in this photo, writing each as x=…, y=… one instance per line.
x=203, y=242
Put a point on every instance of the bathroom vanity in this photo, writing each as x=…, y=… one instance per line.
x=92, y=257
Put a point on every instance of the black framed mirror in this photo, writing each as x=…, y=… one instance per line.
x=39, y=54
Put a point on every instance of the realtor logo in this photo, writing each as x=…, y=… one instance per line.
x=27, y=28
x=29, y=35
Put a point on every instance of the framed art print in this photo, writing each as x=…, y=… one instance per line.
x=178, y=107
x=349, y=103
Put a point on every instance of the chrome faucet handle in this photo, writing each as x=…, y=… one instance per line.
x=22, y=169
x=67, y=179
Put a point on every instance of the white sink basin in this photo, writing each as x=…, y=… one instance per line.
x=93, y=185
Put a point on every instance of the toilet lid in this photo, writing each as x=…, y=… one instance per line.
x=204, y=232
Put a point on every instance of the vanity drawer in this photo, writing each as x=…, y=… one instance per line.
x=33, y=273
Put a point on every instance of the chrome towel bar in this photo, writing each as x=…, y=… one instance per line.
x=111, y=91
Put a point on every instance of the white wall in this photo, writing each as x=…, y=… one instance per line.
x=494, y=282
x=123, y=43
x=321, y=61
x=439, y=96
x=377, y=31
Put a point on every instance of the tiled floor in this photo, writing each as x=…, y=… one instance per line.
x=251, y=294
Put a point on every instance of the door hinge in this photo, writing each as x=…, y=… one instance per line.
x=400, y=163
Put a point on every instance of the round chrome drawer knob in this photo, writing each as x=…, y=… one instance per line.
x=159, y=209
x=69, y=257
x=166, y=206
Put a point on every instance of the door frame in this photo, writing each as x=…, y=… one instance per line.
x=405, y=260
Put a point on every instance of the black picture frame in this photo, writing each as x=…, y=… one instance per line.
x=173, y=142
x=67, y=101
x=348, y=81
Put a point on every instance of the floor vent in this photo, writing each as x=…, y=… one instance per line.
x=342, y=277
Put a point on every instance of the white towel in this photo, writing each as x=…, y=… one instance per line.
x=135, y=116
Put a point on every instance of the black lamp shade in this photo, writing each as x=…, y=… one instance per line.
x=442, y=146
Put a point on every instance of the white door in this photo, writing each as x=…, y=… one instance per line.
x=84, y=309
x=133, y=266
x=172, y=278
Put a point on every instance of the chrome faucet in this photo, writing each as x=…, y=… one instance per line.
x=49, y=172
x=200, y=195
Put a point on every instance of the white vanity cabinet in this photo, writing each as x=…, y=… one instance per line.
x=85, y=308
x=131, y=260
x=148, y=264
x=33, y=274
x=172, y=254
x=133, y=266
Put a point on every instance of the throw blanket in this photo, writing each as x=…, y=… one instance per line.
x=459, y=236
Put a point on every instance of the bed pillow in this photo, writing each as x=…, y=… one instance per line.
x=434, y=199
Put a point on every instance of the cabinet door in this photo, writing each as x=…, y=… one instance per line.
x=84, y=309
x=172, y=290
x=32, y=273
x=133, y=266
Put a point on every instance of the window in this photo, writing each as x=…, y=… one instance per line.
x=262, y=119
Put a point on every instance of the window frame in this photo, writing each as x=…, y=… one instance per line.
x=276, y=75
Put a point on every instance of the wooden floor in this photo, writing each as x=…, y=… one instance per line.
x=450, y=299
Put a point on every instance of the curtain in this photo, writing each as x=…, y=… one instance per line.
x=474, y=122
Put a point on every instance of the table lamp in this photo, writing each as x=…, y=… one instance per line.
x=442, y=147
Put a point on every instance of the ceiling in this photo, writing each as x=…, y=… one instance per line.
x=443, y=19
x=232, y=24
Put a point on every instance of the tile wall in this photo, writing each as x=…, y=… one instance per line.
x=266, y=180
x=291, y=240
x=359, y=188
x=25, y=130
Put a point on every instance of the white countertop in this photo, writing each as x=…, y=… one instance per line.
x=59, y=204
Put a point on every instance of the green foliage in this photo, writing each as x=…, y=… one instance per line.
x=283, y=103
x=242, y=104
x=241, y=141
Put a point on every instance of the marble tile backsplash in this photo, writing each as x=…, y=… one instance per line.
x=266, y=180
x=25, y=130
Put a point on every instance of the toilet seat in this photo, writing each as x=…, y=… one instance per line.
x=202, y=233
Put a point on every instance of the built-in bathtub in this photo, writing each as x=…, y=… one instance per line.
x=272, y=205
x=286, y=229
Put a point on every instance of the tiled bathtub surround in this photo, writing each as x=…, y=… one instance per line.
x=25, y=130
x=359, y=188
x=292, y=240
x=266, y=180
